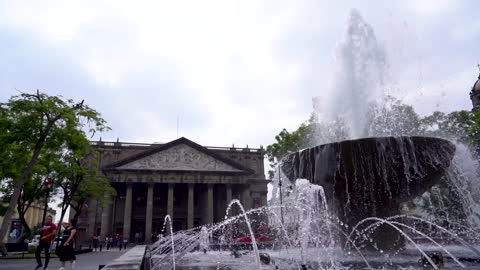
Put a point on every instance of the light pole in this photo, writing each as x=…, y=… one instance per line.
x=46, y=183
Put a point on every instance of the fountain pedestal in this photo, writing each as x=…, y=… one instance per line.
x=371, y=177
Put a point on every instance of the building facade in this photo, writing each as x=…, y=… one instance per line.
x=475, y=95
x=191, y=183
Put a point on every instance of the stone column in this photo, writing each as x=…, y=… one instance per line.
x=171, y=187
x=209, y=203
x=127, y=218
x=229, y=193
x=148, y=218
x=105, y=226
x=114, y=214
x=246, y=198
x=228, y=199
x=92, y=213
x=190, y=207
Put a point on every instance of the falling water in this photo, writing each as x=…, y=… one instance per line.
x=252, y=235
x=406, y=237
x=463, y=175
x=204, y=239
x=167, y=217
x=361, y=65
x=395, y=224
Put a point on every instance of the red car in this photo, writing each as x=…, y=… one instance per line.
x=248, y=238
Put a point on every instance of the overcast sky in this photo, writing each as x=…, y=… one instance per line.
x=230, y=71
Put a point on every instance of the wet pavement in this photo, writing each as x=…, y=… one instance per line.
x=88, y=261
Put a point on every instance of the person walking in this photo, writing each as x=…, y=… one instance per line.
x=66, y=252
x=108, y=241
x=120, y=242
x=95, y=243
x=47, y=235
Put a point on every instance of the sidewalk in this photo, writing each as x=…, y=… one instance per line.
x=88, y=261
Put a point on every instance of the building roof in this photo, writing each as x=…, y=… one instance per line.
x=123, y=164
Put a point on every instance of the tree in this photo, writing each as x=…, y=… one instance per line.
x=457, y=125
x=96, y=187
x=30, y=123
x=287, y=142
x=79, y=181
x=393, y=118
x=33, y=189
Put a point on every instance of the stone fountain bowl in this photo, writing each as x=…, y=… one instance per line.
x=371, y=177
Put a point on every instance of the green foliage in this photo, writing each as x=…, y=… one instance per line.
x=457, y=125
x=393, y=118
x=34, y=126
x=80, y=181
x=287, y=142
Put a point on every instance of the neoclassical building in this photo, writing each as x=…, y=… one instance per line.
x=191, y=183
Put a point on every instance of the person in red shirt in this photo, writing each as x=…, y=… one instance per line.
x=46, y=237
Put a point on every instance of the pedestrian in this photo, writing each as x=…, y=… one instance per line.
x=66, y=252
x=137, y=237
x=120, y=242
x=108, y=241
x=95, y=242
x=47, y=235
x=114, y=240
x=100, y=241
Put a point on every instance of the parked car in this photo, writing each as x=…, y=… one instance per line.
x=57, y=241
x=248, y=238
x=34, y=241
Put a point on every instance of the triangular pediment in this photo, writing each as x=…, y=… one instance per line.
x=179, y=157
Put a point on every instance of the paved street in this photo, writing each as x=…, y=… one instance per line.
x=88, y=261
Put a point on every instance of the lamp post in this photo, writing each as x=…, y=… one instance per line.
x=46, y=183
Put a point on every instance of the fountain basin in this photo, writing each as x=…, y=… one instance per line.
x=371, y=177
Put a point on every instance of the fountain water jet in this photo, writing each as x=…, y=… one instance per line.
x=392, y=223
x=254, y=241
x=167, y=217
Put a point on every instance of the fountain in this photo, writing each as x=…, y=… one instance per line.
x=372, y=176
x=342, y=208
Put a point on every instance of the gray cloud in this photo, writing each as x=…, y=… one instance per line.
x=231, y=74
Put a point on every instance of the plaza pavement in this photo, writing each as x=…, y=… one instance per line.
x=88, y=261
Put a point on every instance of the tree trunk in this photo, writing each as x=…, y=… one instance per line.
x=21, y=209
x=62, y=215
x=28, y=231
x=7, y=218
x=78, y=209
